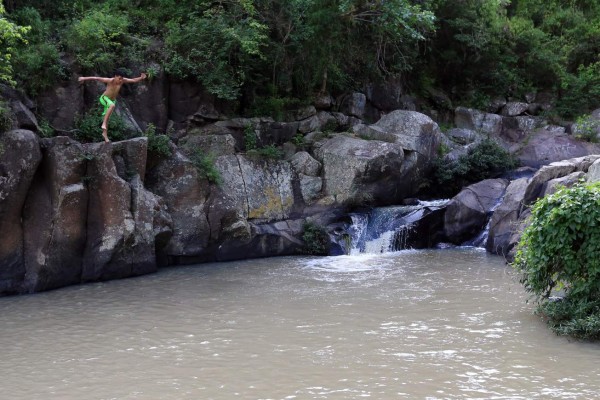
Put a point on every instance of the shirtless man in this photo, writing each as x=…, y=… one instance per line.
x=109, y=97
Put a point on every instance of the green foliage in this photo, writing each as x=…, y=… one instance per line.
x=217, y=46
x=205, y=164
x=46, y=130
x=485, y=160
x=560, y=251
x=157, y=144
x=587, y=128
x=581, y=90
x=270, y=151
x=10, y=36
x=97, y=40
x=316, y=240
x=298, y=140
x=5, y=117
x=250, y=139
x=89, y=127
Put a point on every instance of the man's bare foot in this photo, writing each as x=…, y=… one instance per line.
x=105, y=135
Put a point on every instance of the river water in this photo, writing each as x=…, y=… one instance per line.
x=431, y=324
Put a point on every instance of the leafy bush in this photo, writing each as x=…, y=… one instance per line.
x=316, y=239
x=559, y=253
x=587, y=128
x=46, y=130
x=10, y=36
x=157, y=144
x=89, y=127
x=250, y=139
x=485, y=160
x=97, y=40
x=205, y=164
x=269, y=152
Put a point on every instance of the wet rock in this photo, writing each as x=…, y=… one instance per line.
x=467, y=213
x=504, y=222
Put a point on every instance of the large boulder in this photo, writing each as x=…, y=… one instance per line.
x=146, y=100
x=593, y=174
x=185, y=192
x=486, y=123
x=55, y=217
x=264, y=240
x=261, y=189
x=411, y=130
x=357, y=171
x=63, y=103
x=468, y=212
x=303, y=163
x=120, y=239
x=504, y=222
x=559, y=169
x=546, y=146
x=385, y=96
x=19, y=159
x=185, y=98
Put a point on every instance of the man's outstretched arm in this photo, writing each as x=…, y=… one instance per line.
x=93, y=78
x=134, y=80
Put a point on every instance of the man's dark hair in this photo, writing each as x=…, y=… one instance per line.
x=124, y=72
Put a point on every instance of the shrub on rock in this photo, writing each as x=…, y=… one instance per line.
x=559, y=255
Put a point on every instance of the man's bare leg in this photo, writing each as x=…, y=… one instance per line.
x=105, y=123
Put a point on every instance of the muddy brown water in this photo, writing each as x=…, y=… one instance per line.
x=432, y=324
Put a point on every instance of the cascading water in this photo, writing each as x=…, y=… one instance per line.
x=481, y=239
x=387, y=229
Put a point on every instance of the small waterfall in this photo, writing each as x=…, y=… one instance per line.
x=481, y=239
x=387, y=229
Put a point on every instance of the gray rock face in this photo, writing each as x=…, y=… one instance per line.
x=515, y=129
x=386, y=97
x=261, y=189
x=463, y=136
x=55, y=217
x=62, y=104
x=19, y=159
x=120, y=239
x=513, y=108
x=565, y=181
x=546, y=147
x=322, y=121
x=593, y=174
x=217, y=145
x=23, y=116
x=505, y=221
x=355, y=167
x=467, y=212
x=354, y=104
x=412, y=130
x=303, y=163
x=185, y=194
x=476, y=120
x=147, y=101
x=185, y=98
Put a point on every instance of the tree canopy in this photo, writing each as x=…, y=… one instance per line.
x=278, y=51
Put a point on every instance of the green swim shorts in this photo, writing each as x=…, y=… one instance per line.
x=106, y=102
